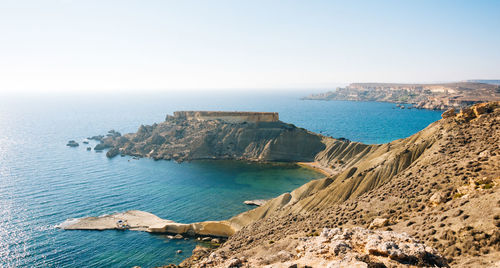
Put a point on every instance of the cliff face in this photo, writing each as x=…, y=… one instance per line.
x=440, y=186
x=182, y=139
x=230, y=117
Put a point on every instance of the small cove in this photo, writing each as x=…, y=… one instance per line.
x=43, y=182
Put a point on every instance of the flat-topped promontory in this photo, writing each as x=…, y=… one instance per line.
x=230, y=117
x=194, y=135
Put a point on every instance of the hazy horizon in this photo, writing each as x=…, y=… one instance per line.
x=132, y=46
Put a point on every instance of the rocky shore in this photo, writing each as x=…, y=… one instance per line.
x=423, y=96
x=136, y=220
x=431, y=199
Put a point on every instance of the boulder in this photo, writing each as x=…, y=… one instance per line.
x=378, y=222
x=437, y=198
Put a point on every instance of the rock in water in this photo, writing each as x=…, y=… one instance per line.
x=112, y=152
x=178, y=236
x=72, y=143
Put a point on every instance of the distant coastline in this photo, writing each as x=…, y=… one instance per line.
x=421, y=96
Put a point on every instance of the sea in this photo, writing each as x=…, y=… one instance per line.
x=44, y=183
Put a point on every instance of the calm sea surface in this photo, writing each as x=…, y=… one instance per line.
x=43, y=182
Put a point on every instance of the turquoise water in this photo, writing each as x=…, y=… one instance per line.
x=43, y=182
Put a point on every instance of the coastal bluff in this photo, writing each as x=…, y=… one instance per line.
x=197, y=135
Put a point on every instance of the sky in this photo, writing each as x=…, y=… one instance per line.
x=105, y=45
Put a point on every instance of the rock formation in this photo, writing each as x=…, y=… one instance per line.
x=350, y=247
x=72, y=143
x=186, y=136
x=143, y=221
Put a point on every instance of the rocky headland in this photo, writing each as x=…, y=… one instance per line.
x=431, y=199
x=217, y=135
x=425, y=96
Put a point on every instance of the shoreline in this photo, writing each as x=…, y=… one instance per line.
x=317, y=167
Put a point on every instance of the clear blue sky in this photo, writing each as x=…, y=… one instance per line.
x=114, y=45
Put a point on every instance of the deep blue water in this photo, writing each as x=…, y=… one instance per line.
x=43, y=182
